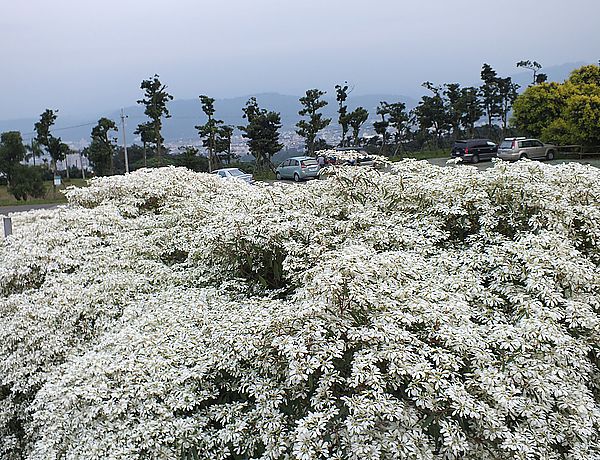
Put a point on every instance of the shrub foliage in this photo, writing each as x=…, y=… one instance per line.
x=421, y=313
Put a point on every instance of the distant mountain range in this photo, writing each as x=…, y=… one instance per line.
x=186, y=113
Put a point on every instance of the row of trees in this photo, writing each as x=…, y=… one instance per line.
x=562, y=113
x=449, y=112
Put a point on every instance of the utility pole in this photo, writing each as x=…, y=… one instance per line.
x=123, y=116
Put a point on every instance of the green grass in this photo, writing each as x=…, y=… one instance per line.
x=52, y=196
x=264, y=175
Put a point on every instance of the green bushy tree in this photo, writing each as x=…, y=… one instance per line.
x=262, y=132
x=564, y=113
x=309, y=128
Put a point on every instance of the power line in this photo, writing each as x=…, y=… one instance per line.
x=26, y=136
x=63, y=128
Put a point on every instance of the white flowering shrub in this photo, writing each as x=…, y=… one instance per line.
x=420, y=313
x=343, y=156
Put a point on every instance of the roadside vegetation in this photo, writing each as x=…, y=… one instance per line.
x=51, y=194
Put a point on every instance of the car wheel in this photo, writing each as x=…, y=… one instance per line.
x=523, y=156
x=475, y=159
x=550, y=155
x=278, y=175
x=296, y=177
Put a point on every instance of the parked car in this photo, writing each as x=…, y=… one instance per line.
x=234, y=173
x=474, y=150
x=298, y=168
x=518, y=148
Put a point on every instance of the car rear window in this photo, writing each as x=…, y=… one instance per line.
x=506, y=145
x=309, y=162
x=236, y=172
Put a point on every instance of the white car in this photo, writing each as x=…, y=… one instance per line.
x=234, y=173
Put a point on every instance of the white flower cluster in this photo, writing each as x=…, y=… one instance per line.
x=351, y=155
x=420, y=313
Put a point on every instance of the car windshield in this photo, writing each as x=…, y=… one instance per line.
x=309, y=162
x=506, y=144
x=236, y=172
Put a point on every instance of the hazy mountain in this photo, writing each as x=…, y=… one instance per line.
x=186, y=113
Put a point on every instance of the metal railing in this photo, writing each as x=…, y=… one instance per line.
x=579, y=150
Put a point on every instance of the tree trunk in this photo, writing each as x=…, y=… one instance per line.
x=228, y=150
x=158, y=142
x=81, y=164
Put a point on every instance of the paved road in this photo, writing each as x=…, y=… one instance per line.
x=26, y=207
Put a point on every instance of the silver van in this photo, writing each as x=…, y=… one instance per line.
x=298, y=168
x=518, y=148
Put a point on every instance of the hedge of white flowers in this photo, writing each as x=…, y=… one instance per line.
x=417, y=313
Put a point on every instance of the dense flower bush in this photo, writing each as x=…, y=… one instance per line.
x=346, y=156
x=418, y=313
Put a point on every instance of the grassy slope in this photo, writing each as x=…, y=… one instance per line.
x=6, y=199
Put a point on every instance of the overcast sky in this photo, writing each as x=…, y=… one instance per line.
x=85, y=57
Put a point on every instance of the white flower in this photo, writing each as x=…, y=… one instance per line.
x=420, y=313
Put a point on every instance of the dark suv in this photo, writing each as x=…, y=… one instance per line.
x=474, y=150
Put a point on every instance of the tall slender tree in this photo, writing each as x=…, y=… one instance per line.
x=208, y=131
x=223, y=144
x=262, y=132
x=453, y=94
x=145, y=131
x=57, y=150
x=101, y=151
x=490, y=95
x=35, y=151
x=508, y=92
x=53, y=145
x=535, y=68
x=309, y=129
x=155, y=101
x=471, y=109
x=341, y=96
x=432, y=113
x=399, y=122
x=381, y=126
x=356, y=119
x=43, y=127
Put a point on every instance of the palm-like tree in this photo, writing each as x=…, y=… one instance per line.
x=34, y=150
